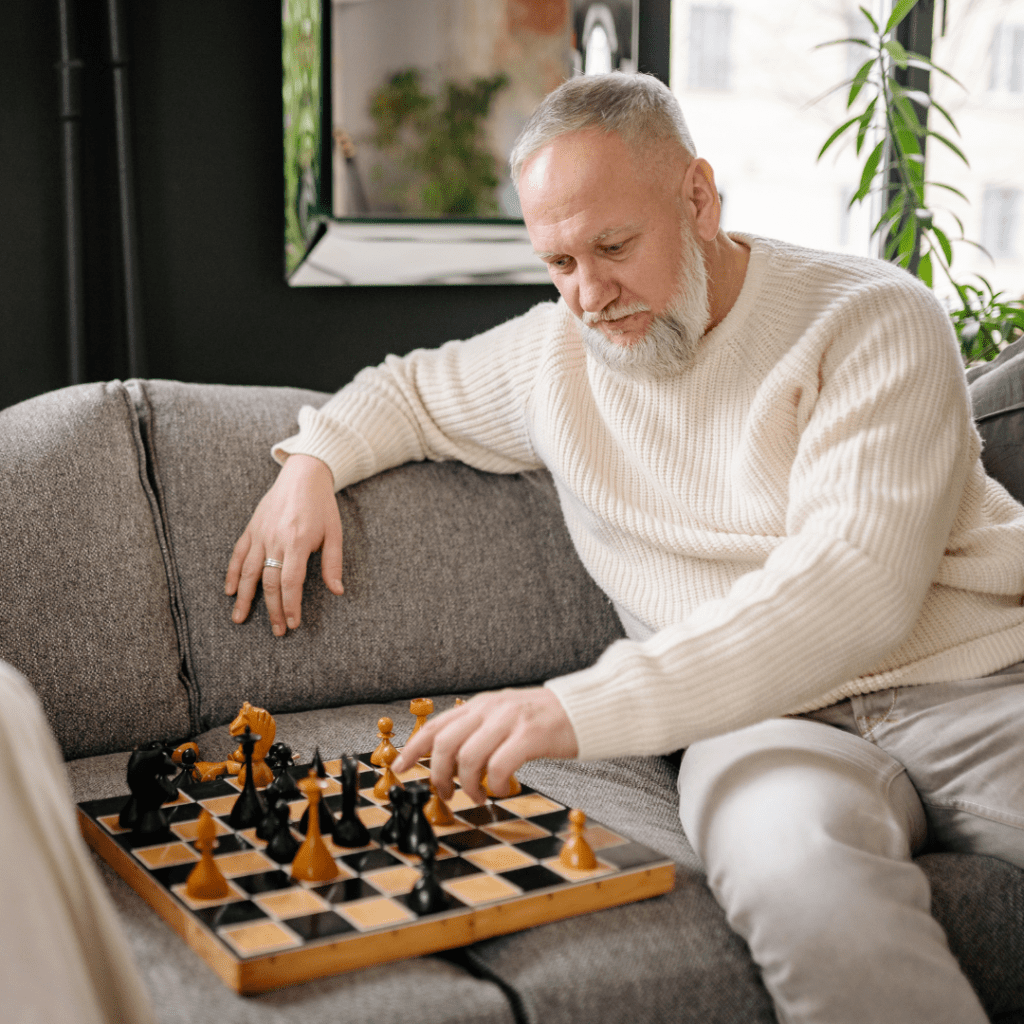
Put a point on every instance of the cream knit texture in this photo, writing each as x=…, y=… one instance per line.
x=800, y=515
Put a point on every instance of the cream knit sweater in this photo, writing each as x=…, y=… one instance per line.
x=800, y=516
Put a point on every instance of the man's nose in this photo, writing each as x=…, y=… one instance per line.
x=597, y=290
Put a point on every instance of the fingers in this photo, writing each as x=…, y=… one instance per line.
x=272, y=598
x=248, y=579
x=291, y=578
x=241, y=549
x=330, y=559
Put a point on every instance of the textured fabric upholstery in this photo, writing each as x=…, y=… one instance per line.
x=454, y=579
x=85, y=607
x=997, y=394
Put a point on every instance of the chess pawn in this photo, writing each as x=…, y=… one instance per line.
x=395, y=826
x=282, y=846
x=514, y=788
x=577, y=853
x=437, y=812
x=387, y=777
x=313, y=861
x=427, y=896
x=385, y=752
x=422, y=708
x=205, y=882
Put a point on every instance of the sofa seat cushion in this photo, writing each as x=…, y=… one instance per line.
x=670, y=959
x=86, y=610
x=454, y=579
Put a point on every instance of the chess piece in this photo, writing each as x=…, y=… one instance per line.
x=260, y=723
x=385, y=752
x=318, y=765
x=148, y=768
x=422, y=708
x=313, y=861
x=577, y=853
x=514, y=788
x=391, y=831
x=205, y=882
x=325, y=818
x=279, y=757
x=349, y=830
x=437, y=812
x=416, y=831
x=282, y=845
x=459, y=702
x=189, y=773
x=427, y=896
x=282, y=788
x=387, y=778
x=249, y=809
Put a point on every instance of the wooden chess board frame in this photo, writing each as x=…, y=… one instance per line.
x=282, y=946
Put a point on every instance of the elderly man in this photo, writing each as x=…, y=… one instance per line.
x=765, y=457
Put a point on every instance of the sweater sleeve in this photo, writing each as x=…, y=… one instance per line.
x=465, y=401
x=874, y=487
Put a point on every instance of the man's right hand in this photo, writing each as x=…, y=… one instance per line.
x=296, y=517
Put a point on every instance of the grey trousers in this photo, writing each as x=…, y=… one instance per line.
x=807, y=827
x=62, y=954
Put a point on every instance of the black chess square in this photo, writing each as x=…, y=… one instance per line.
x=485, y=814
x=183, y=812
x=473, y=839
x=346, y=891
x=553, y=821
x=231, y=843
x=265, y=881
x=319, y=926
x=173, y=875
x=230, y=913
x=135, y=841
x=370, y=861
x=205, y=790
x=631, y=855
x=546, y=846
x=454, y=867
x=367, y=780
x=101, y=808
x=536, y=876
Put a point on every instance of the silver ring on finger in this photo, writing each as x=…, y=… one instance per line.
x=272, y=563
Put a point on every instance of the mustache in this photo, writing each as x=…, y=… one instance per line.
x=615, y=313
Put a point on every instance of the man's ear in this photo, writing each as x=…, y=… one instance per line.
x=701, y=194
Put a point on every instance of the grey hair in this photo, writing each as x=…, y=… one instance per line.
x=638, y=107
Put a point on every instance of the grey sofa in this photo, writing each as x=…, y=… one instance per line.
x=119, y=505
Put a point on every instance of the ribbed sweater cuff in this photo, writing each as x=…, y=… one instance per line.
x=346, y=453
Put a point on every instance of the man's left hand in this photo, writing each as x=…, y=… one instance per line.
x=494, y=732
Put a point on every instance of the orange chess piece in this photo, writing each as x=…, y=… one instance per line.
x=436, y=811
x=261, y=722
x=514, y=788
x=387, y=778
x=379, y=757
x=577, y=853
x=422, y=708
x=313, y=861
x=205, y=881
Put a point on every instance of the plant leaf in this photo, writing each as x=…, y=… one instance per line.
x=848, y=39
x=946, y=114
x=867, y=14
x=947, y=249
x=924, y=269
x=858, y=81
x=917, y=60
x=899, y=11
x=835, y=135
x=951, y=145
x=896, y=51
x=865, y=123
x=870, y=168
x=948, y=188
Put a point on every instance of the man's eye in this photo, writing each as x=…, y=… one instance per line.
x=614, y=248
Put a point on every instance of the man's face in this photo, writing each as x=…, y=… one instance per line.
x=618, y=247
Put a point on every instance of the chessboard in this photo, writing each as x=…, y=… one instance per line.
x=498, y=865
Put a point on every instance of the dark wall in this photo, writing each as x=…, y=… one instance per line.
x=206, y=116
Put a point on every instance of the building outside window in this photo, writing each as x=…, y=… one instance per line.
x=1007, y=71
x=1000, y=221
x=710, y=47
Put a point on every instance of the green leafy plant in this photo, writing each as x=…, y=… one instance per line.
x=894, y=167
x=440, y=142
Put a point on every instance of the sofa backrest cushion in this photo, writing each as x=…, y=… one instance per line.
x=997, y=396
x=85, y=600
x=455, y=580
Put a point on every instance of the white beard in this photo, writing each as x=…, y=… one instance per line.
x=670, y=343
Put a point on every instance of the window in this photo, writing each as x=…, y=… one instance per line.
x=710, y=45
x=1007, y=73
x=1000, y=217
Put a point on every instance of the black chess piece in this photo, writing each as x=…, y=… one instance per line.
x=282, y=845
x=416, y=830
x=324, y=818
x=427, y=896
x=282, y=788
x=349, y=830
x=189, y=774
x=279, y=757
x=393, y=828
x=148, y=771
x=318, y=765
x=249, y=808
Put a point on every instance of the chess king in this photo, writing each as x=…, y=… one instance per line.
x=765, y=456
